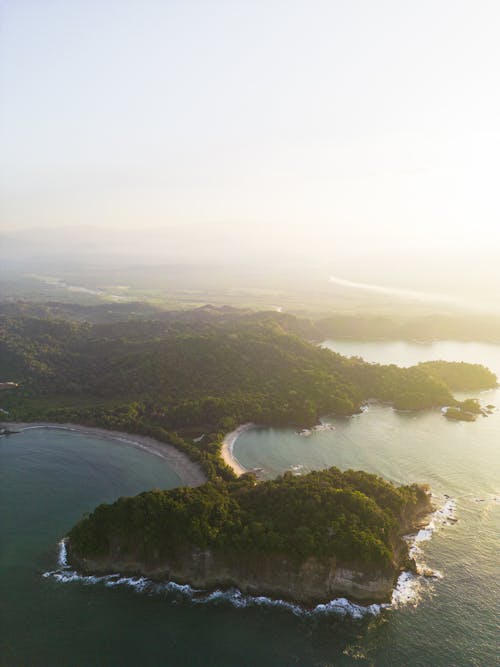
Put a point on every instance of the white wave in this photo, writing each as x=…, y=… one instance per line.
x=423, y=535
x=233, y=596
x=443, y=516
x=343, y=607
x=411, y=586
x=62, y=559
x=407, y=591
x=69, y=576
x=139, y=584
x=337, y=607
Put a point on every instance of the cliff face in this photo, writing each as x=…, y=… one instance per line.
x=309, y=581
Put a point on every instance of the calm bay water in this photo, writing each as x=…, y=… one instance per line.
x=455, y=621
x=49, y=478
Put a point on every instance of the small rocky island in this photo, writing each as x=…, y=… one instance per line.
x=308, y=539
x=468, y=410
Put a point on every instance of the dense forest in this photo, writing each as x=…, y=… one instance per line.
x=355, y=516
x=203, y=372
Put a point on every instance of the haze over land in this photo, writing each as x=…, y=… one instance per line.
x=89, y=265
x=262, y=143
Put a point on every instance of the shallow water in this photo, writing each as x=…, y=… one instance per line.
x=49, y=478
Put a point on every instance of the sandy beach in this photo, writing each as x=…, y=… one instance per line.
x=188, y=471
x=227, y=449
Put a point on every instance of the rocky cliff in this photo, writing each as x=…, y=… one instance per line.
x=309, y=581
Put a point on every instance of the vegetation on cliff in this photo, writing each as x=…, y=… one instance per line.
x=354, y=516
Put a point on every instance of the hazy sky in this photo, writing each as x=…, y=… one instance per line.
x=304, y=124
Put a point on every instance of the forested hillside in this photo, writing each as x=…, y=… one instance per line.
x=207, y=371
x=366, y=326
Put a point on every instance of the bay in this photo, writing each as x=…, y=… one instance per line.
x=48, y=479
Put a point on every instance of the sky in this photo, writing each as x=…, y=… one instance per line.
x=340, y=129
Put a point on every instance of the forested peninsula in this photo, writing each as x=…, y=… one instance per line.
x=203, y=372
x=188, y=380
x=307, y=539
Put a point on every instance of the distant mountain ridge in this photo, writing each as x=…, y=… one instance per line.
x=337, y=325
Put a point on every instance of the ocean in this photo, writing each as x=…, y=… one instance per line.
x=444, y=617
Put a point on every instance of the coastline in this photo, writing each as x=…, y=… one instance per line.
x=188, y=471
x=227, y=452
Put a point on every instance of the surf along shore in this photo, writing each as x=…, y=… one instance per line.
x=189, y=472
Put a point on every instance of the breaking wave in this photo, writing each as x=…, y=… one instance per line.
x=412, y=586
x=409, y=589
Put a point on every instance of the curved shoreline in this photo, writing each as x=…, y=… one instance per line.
x=227, y=449
x=188, y=471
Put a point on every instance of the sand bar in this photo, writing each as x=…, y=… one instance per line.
x=189, y=472
x=228, y=445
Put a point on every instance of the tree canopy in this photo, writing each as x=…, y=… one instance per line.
x=354, y=516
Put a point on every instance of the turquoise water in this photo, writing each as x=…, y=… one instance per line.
x=49, y=478
x=453, y=622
